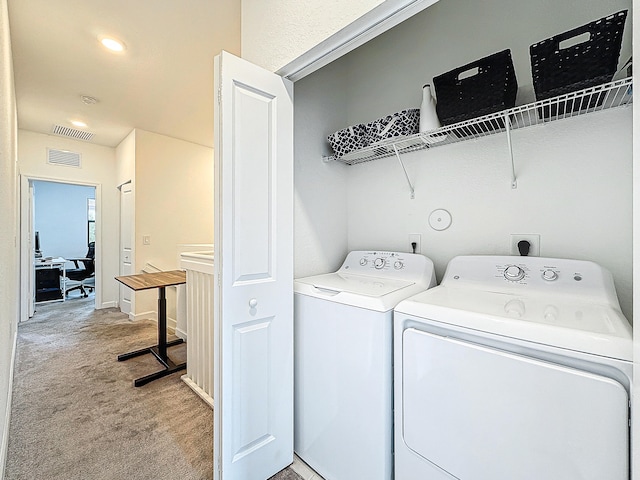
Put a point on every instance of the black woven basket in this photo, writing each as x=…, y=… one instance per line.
x=491, y=87
x=592, y=62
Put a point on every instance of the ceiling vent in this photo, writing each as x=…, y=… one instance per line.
x=72, y=133
x=63, y=157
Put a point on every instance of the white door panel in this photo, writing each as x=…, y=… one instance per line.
x=126, y=244
x=253, y=333
x=32, y=236
x=485, y=414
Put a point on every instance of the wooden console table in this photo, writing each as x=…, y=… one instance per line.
x=159, y=280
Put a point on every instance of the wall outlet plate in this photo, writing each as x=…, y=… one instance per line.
x=415, y=237
x=532, y=238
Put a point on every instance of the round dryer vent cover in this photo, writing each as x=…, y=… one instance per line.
x=440, y=219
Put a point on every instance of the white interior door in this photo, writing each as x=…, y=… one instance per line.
x=253, y=319
x=126, y=244
x=31, y=270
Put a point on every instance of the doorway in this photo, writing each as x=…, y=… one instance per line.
x=60, y=219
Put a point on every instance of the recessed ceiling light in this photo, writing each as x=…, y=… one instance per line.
x=112, y=44
x=79, y=124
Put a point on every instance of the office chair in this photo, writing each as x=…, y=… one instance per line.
x=81, y=274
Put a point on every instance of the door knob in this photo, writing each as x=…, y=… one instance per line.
x=253, y=303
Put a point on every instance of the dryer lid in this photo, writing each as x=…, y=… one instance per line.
x=554, y=320
x=356, y=284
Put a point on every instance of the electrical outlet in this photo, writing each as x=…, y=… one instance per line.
x=532, y=238
x=417, y=238
x=146, y=240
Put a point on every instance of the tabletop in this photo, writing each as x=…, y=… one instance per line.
x=145, y=281
x=48, y=261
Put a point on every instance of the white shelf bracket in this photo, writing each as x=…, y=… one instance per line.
x=406, y=175
x=507, y=124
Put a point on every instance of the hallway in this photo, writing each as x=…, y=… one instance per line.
x=76, y=414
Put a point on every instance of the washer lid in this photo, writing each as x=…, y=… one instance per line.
x=356, y=284
x=556, y=320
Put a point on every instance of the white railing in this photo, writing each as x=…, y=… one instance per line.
x=199, y=303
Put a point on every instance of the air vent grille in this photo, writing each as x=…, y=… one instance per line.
x=72, y=133
x=63, y=157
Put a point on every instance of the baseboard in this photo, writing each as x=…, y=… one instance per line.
x=108, y=305
x=196, y=388
x=304, y=470
x=151, y=315
x=181, y=334
x=7, y=417
x=171, y=324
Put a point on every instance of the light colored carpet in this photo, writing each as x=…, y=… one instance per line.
x=77, y=416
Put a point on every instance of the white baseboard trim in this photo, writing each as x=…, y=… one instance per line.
x=181, y=334
x=153, y=315
x=150, y=315
x=112, y=304
x=304, y=470
x=171, y=324
x=201, y=393
x=7, y=416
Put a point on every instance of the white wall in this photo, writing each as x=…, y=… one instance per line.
x=126, y=159
x=98, y=168
x=60, y=215
x=574, y=190
x=393, y=67
x=9, y=256
x=574, y=185
x=574, y=177
x=173, y=205
x=277, y=32
x=320, y=188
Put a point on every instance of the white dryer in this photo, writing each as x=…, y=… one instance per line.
x=513, y=368
x=343, y=420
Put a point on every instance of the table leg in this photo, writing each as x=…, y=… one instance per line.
x=159, y=351
x=162, y=323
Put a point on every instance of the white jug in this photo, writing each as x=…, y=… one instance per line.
x=428, y=116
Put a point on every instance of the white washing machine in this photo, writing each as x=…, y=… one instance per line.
x=343, y=421
x=513, y=368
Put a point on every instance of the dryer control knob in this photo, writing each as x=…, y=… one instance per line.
x=513, y=273
x=379, y=263
x=549, y=275
x=515, y=308
x=363, y=261
x=551, y=313
x=398, y=265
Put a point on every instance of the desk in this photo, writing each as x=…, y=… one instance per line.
x=49, y=287
x=160, y=280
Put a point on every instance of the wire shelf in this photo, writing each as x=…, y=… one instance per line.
x=602, y=97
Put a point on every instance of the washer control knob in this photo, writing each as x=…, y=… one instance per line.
x=364, y=261
x=513, y=273
x=379, y=263
x=398, y=265
x=549, y=275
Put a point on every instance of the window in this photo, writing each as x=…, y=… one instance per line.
x=91, y=220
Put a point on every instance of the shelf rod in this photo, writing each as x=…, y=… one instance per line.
x=507, y=124
x=413, y=193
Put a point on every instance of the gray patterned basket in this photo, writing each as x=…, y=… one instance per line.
x=406, y=122
x=348, y=139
